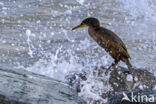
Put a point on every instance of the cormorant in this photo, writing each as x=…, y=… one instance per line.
x=107, y=40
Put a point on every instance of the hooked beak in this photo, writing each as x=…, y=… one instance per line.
x=79, y=26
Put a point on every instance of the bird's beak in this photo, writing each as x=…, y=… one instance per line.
x=79, y=26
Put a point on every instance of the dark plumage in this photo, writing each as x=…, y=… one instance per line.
x=107, y=40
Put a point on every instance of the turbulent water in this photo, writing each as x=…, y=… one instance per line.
x=36, y=35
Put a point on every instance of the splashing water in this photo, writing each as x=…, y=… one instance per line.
x=28, y=33
x=49, y=47
x=85, y=53
x=140, y=9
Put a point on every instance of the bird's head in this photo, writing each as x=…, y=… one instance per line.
x=92, y=22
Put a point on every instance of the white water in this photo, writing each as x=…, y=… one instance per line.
x=140, y=39
x=137, y=14
x=42, y=41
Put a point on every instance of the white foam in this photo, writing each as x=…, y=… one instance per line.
x=30, y=50
x=28, y=32
x=1, y=3
x=53, y=69
x=81, y=1
x=129, y=77
x=139, y=8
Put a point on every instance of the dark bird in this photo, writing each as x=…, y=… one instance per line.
x=107, y=40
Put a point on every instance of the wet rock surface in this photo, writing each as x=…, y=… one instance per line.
x=139, y=79
x=23, y=87
x=106, y=86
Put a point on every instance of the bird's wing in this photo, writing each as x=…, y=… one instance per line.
x=115, y=41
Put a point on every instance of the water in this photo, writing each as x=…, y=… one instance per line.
x=36, y=35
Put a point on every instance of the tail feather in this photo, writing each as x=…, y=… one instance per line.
x=130, y=67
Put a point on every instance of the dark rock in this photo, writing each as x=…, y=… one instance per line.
x=74, y=79
x=22, y=87
x=140, y=79
x=116, y=81
x=5, y=100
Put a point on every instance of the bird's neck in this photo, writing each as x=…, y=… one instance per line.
x=94, y=28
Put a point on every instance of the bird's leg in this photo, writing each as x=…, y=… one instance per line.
x=112, y=66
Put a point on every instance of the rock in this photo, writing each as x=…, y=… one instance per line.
x=95, y=82
x=141, y=79
x=22, y=87
x=139, y=97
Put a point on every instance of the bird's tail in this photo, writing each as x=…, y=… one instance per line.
x=130, y=67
